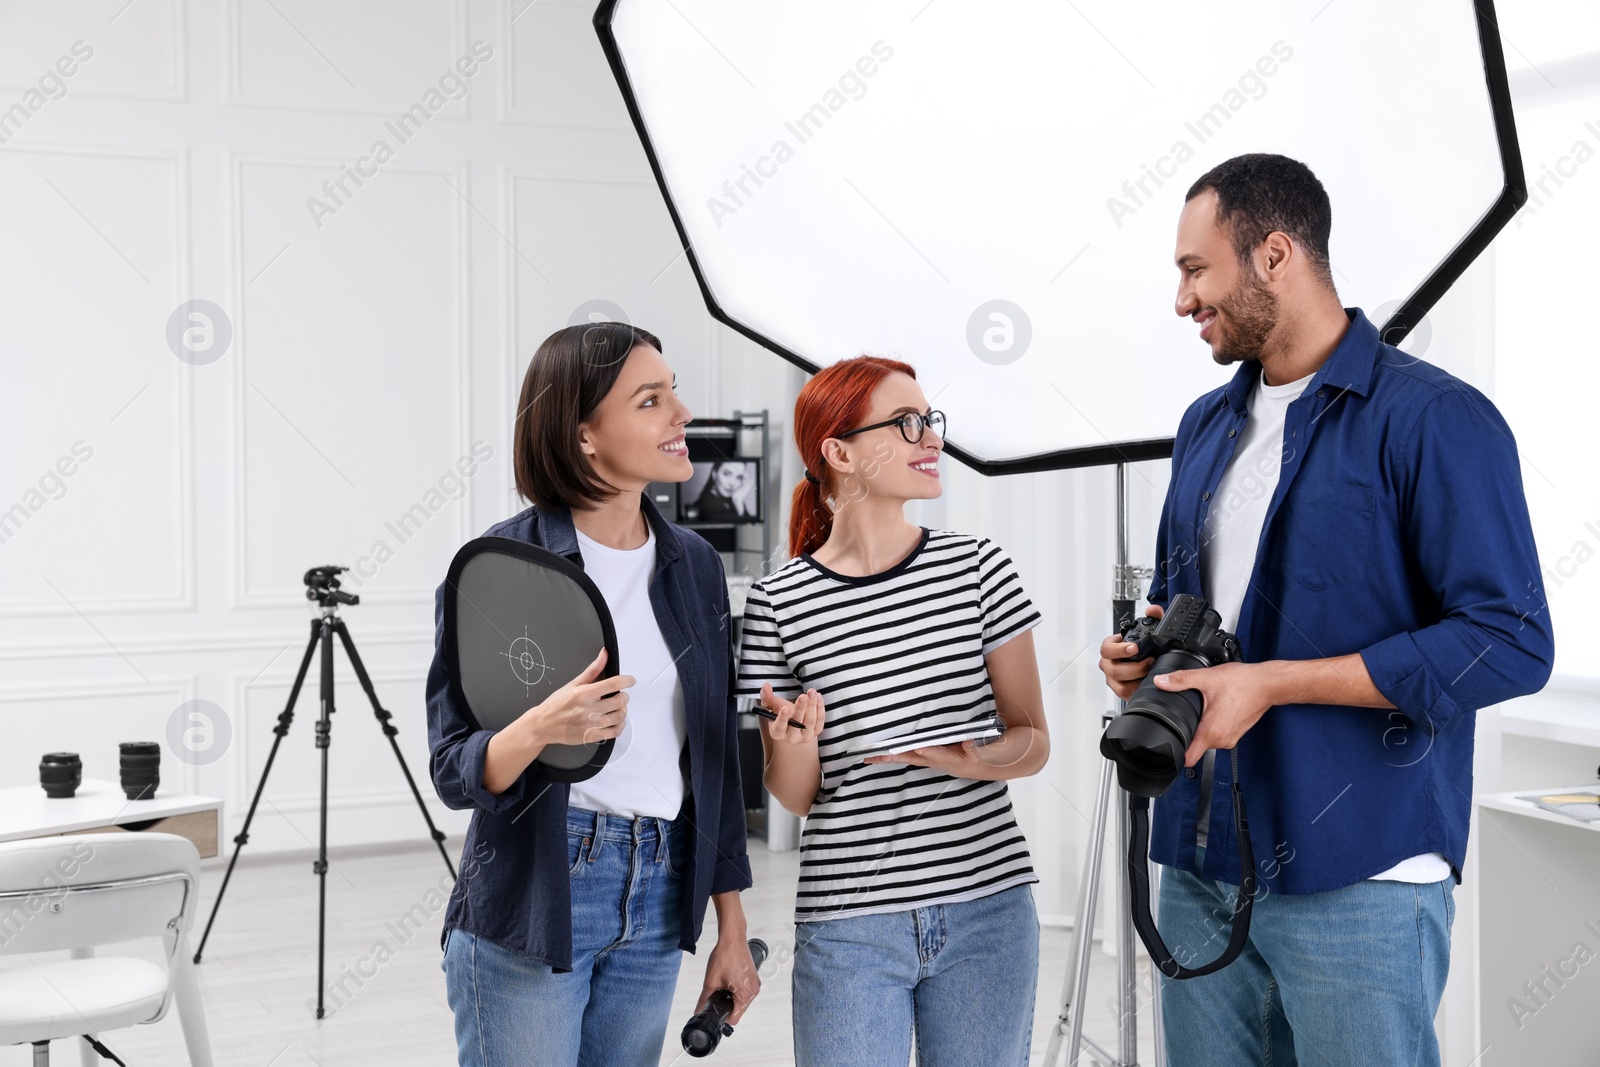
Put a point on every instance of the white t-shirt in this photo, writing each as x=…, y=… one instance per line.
x=1228, y=556
x=643, y=776
x=1239, y=506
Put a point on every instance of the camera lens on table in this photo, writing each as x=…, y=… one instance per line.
x=141, y=769
x=60, y=773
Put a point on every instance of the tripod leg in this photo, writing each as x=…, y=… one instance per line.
x=1127, y=963
x=285, y=718
x=1080, y=923
x=390, y=732
x=1159, y=1037
x=324, y=738
x=1077, y=980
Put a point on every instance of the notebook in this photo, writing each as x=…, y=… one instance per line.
x=983, y=730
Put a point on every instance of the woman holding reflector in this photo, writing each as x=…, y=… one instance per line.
x=562, y=946
x=898, y=650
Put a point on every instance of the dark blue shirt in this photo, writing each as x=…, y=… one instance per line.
x=1398, y=530
x=514, y=887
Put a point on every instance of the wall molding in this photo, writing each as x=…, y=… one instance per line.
x=207, y=643
x=508, y=111
x=178, y=75
x=242, y=596
x=358, y=716
x=183, y=599
x=508, y=176
x=236, y=96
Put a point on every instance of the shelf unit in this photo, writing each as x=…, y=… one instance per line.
x=736, y=438
x=736, y=432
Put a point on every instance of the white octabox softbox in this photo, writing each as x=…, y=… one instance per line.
x=991, y=190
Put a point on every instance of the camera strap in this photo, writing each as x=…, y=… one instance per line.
x=1139, y=882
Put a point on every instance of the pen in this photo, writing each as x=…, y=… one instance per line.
x=765, y=714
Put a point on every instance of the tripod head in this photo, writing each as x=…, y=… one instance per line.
x=322, y=585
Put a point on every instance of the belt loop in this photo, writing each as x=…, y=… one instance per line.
x=599, y=835
x=661, y=840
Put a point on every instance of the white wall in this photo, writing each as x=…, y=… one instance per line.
x=369, y=356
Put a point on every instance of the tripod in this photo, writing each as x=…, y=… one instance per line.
x=1069, y=1023
x=322, y=585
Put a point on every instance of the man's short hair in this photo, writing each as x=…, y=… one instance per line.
x=569, y=375
x=1259, y=193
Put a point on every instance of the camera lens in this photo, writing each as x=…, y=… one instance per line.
x=60, y=774
x=1153, y=761
x=141, y=769
x=1148, y=740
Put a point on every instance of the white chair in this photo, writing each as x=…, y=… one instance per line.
x=87, y=890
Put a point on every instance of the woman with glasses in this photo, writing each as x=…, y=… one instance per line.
x=914, y=917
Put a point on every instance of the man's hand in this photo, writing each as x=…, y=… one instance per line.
x=1123, y=677
x=1236, y=695
x=730, y=967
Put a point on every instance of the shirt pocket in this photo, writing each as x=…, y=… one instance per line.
x=1326, y=535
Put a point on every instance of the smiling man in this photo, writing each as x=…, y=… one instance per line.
x=1356, y=516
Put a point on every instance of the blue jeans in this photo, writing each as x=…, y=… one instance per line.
x=1350, y=976
x=611, y=1009
x=961, y=977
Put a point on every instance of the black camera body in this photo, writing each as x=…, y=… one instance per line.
x=1148, y=740
x=1189, y=625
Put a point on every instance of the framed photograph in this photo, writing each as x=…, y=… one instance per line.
x=721, y=491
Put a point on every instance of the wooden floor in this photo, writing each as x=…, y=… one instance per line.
x=258, y=976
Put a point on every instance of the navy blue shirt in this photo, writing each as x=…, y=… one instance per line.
x=514, y=887
x=1399, y=531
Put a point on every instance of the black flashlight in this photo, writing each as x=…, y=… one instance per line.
x=710, y=1025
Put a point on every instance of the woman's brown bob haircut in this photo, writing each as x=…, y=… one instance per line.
x=567, y=378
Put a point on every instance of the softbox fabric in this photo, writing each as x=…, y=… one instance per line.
x=519, y=623
x=991, y=191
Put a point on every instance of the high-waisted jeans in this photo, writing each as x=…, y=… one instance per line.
x=611, y=1009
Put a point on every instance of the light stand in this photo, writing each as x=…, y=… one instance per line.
x=1069, y=1023
x=322, y=585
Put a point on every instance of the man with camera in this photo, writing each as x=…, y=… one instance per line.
x=1356, y=518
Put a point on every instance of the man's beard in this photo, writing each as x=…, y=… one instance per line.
x=1251, y=312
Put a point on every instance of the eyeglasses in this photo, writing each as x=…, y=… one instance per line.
x=911, y=426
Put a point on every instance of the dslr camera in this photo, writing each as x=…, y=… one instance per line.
x=1148, y=740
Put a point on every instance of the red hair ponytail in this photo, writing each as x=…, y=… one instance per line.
x=836, y=400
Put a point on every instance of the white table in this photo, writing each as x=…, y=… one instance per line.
x=100, y=807
x=1539, y=901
